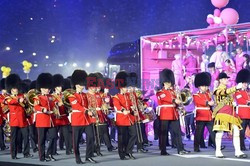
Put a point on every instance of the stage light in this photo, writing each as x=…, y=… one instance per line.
x=53, y=37
x=46, y=57
x=87, y=64
x=34, y=54
x=52, y=41
x=112, y=36
x=74, y=64
x=7, y=48
x=60, y=65
x=35, y=65
x=31, y=18
x=65, y=63
x=21, y=51
x=100, y=64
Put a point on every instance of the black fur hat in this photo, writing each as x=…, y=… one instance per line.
x=2, y=84
x=202, y=79
x=79, y=77
x=12, y=81
x=92, y=80
x=121, y=79
x=66, y=84
x=167, y=75
x=210, y=65
x=133, y=79
x=24, y=87
x=44, y=80
x=243, y=76
x=108, y=83
x=57, y=80
x=33, y=85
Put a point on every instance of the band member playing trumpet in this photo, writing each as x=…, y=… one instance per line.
x=3, y=115
x=17, y=119
x=203, y=103
x=167, y=103
x=80, y=118
x=243, y=104
x=45, y=118
x=225, y=116
x=125, y=121
x=61, y=121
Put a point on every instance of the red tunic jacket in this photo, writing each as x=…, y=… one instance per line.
x=243, y=99
x=63, y=120
x=203, y=111
x=2, y=115
x=165, y=103
x=79, y=104
x=122, y=101
x=17, y=112
x=44, y=119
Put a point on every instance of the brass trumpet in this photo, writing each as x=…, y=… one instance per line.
x=185, y=96
x=65, y=99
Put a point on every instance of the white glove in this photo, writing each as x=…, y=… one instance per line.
x=239, y=85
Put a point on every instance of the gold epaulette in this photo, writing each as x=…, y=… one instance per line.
x=115, y=96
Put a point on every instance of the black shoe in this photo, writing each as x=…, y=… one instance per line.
x=47, y=158
x=130, y=155
x=142, y=150
x=203, y=147
x=62, y=149
x=112, y=149
x=90, y=160
x=197, y=150
x=4, y=148
x=79, y=162
x=99, y=154
x=69, y=153
x=173, y=146
x=165, y=153
x=243, y=148
x=28, y=156
x=184, y=152
x=123, y=158
x=241, y=156
x=35, y=150
x=212, y=145
x=222, y=147
x=14, y=158
x=52, y=158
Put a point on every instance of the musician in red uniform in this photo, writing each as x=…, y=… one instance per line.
x=125, y=121
x=203, y=103
x=243, y=104
x=80, y=117
x=140, y=126
x=45, y=119
x=169, y=116
x=61, y=121
x=17, y=119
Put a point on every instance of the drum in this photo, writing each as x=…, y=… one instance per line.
x=149, y=115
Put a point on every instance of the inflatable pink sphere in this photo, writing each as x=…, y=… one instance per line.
x=229, y=16
x=217, y=12
x=220, y=3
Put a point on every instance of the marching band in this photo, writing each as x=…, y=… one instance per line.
x=41, y=109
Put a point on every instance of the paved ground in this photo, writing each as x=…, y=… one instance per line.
x=152, y=158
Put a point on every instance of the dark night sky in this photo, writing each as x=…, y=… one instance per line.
x=86, y=30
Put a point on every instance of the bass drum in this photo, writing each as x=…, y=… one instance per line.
x=149, y=115
x=111, y=118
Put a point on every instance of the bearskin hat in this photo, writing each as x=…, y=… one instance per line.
x=167, y=75
x=92, y=80
x=24, y=87
x=202, y=79
x=12, y=81
x=133, y=79
x=57, y=80
x=33, y=85
x=44, y=80
x=243, y=76
x=66, y=84
x=79, y=77
x=108, y=84
x=2, y=84
x=210, y=65
x=121, y=79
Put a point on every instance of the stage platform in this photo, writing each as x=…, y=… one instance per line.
x=152, y=158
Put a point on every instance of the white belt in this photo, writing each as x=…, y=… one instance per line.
x=122, y=112
x=75, y=111
x=158, y=108
x=202, y=108
x=48, y=112
x=243, y=106
x=166, y=105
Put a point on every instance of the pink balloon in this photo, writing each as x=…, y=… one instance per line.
x=248, y=34
x=217, y=12
x=210, y=21
x=220, y=3
x=229, y=16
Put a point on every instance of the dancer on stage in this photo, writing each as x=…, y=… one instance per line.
x=225, y=116
x=169, y=116
x=242, y=98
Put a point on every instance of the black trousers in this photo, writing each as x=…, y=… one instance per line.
x=67, y=136
x=126, y=139
x=19, y=141
x=156, y=126
x=61, y=139
x=103, y=135
x=77, y=132
x=42, y=133
x=113, y=131
x=245, y=123
x=13, y=140
x=199, y=131
x=176, y=129
x=141, y=135
x=33, y=136
x=2, y=143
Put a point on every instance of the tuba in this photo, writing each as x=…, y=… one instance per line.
x=30, y=100
x=185, y=96
x=65, y=99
